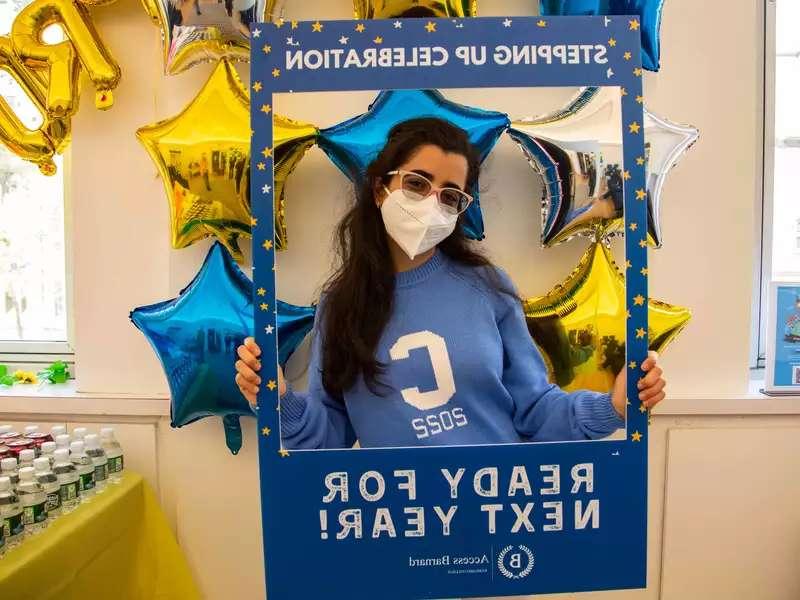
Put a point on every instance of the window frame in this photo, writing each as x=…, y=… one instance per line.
x=765, y=200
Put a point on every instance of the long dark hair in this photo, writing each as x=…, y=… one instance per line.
x=359, y=294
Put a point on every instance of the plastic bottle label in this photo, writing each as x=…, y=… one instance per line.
x=87, y=480
x=13, y=525
x=101, y=472
x=34, y=514
x=69, y=491
x=53, y=500
x=115, y=464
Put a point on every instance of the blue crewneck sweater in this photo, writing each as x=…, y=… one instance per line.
x=461, y=368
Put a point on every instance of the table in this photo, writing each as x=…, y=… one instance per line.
x=117, y=545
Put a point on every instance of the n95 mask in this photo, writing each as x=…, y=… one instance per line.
x=416, y=225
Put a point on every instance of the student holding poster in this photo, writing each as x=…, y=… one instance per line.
x=412, y=302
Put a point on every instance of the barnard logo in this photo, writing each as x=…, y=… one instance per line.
x=515, y=562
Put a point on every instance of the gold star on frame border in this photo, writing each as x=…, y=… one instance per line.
x=580, y=325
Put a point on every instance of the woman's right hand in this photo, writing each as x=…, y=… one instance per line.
x=247, y=368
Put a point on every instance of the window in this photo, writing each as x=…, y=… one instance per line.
x=779, y=251
x=785, y=214
x=33, y=283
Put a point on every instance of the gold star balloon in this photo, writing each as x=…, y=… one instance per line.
x=389, y=9
x=292, y=139
x=203, y=30
x=203, y=157
x=580, y=324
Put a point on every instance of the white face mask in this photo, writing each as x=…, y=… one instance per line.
x=416, y=225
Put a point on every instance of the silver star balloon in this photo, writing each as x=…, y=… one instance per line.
x=195, y=31
x=577, y=151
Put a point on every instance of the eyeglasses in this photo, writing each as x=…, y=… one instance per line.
x=417, y=187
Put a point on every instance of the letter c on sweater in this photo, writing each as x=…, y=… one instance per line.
x=442, y=369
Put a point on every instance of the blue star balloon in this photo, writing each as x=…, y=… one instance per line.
x=294, y=323
x=196, y=335
x=354, y=143
x=649, y=12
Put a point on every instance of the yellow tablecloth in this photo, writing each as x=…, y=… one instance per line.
x=117, y=545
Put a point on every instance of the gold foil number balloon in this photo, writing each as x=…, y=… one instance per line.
x=62, y=61
x=38, y=145
x=203, y=156
x=389, y=9
x=580, y=324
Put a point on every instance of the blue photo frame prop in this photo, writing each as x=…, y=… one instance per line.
x=602, y=541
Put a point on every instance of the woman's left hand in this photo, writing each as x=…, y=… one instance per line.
x=651, y=385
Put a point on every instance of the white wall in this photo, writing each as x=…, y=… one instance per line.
x=122, y=259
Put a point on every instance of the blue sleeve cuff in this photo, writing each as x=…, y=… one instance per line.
x=292, y=409
x=596, y=415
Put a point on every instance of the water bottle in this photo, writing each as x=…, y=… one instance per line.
x=38, y=438
x=8, y=468
x=85, y=467
x=57, y=430
x=4, y=430
x=10, y=514
x=49, y=482
x=26, y=458
x=99, y=460
x=79, y=433
x=47, y=451
x=8, y=434
x=62, y=441
x=33, y=499
x=68, y=480
x=116, y=460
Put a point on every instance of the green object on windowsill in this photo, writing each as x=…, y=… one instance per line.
x=5, y=378
x=57, y=372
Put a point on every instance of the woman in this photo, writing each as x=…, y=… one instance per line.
x=419, y=339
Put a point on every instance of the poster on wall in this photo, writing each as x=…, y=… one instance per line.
x=783, y=339
x=446, y=488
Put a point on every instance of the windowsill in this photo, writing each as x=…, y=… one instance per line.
x=56, y=399
x=64, y=398
x=751, y=403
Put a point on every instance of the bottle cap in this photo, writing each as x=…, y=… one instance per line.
x=31, y=429
x=62, y=455
x=62, y=441
x=27, y=455
x=26, y=474
x=107, y=433
x=48, y=447
x=79, y=433
x=76, y=447
x=5, y=484
x=8, y=464
x=57, y=430
x=92, y=441
x=41, y=464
